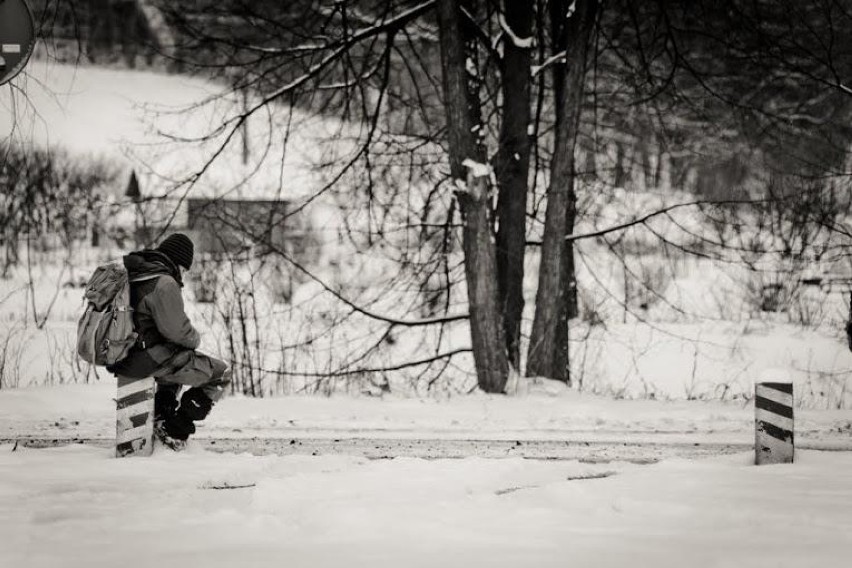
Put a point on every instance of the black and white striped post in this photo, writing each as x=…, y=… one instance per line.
x=134, y=425
x=773, y=423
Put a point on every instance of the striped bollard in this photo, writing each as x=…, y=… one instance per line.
x=773, y=422
x=134, y=424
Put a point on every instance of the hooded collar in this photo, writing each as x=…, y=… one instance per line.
x=143, y=263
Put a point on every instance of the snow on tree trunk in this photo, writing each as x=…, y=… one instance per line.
x=460, y=80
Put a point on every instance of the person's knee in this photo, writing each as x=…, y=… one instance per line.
x=221, y=371
x=215, y=388
x=225, y=378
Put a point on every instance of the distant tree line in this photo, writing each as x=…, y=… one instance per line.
x=44, y=194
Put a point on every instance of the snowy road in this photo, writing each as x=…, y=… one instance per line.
x=574, y=426
x=640, y=452
x=615, y=483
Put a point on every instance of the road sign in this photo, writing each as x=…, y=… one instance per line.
x=17, y=37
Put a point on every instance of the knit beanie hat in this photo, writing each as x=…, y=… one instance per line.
x=179, y=248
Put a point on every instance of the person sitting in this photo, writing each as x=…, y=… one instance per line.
x=167, y=344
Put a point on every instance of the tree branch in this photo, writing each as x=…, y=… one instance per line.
x=641, y=220
x=344, y=373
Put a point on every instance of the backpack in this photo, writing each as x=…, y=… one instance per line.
x=105, y=331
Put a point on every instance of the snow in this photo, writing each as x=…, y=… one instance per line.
x=471, y=67
x=684, y=375
x=571, y=9
x=713, y=360
x=477, y=169
x=666, y=360
x=519, y=42
x=166, y=127
x=672, y=327
x=536, y=69
x=545, y=413
x=77, y=507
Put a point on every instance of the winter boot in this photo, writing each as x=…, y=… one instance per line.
x=165, y=401
x=163, y=436
x=174, y=430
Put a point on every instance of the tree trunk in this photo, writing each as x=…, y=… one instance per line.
x=461, y=102
x=556, y=297
x=512, y=161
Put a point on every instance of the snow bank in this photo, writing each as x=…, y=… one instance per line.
x=88, y=411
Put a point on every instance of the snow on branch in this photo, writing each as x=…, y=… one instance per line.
x=477, y=169
x=519, y=42
x=553, y=59
x=571, y=9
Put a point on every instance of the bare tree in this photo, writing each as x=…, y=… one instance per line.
x=512, y=164
x=556, y=298
x=472, y=180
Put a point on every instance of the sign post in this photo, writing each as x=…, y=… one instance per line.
x=17, y=37
x=773, y=423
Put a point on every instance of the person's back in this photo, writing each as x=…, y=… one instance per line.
x=166, y=348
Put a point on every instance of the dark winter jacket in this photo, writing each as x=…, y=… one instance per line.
x=159, y=316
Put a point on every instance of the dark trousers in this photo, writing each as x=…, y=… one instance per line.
x=195, y=369
x=207, y=378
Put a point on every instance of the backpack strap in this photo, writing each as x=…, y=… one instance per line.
x=145, y=277
x=146, y=338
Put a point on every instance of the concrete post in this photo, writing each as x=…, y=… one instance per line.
x=134, y=425
x=773, y=422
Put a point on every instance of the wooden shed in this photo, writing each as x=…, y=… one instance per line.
x=232, y=226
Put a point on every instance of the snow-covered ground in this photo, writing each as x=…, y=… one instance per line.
x=77, y=507
x=547, y=413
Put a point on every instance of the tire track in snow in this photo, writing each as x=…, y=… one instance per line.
x=644, y=452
